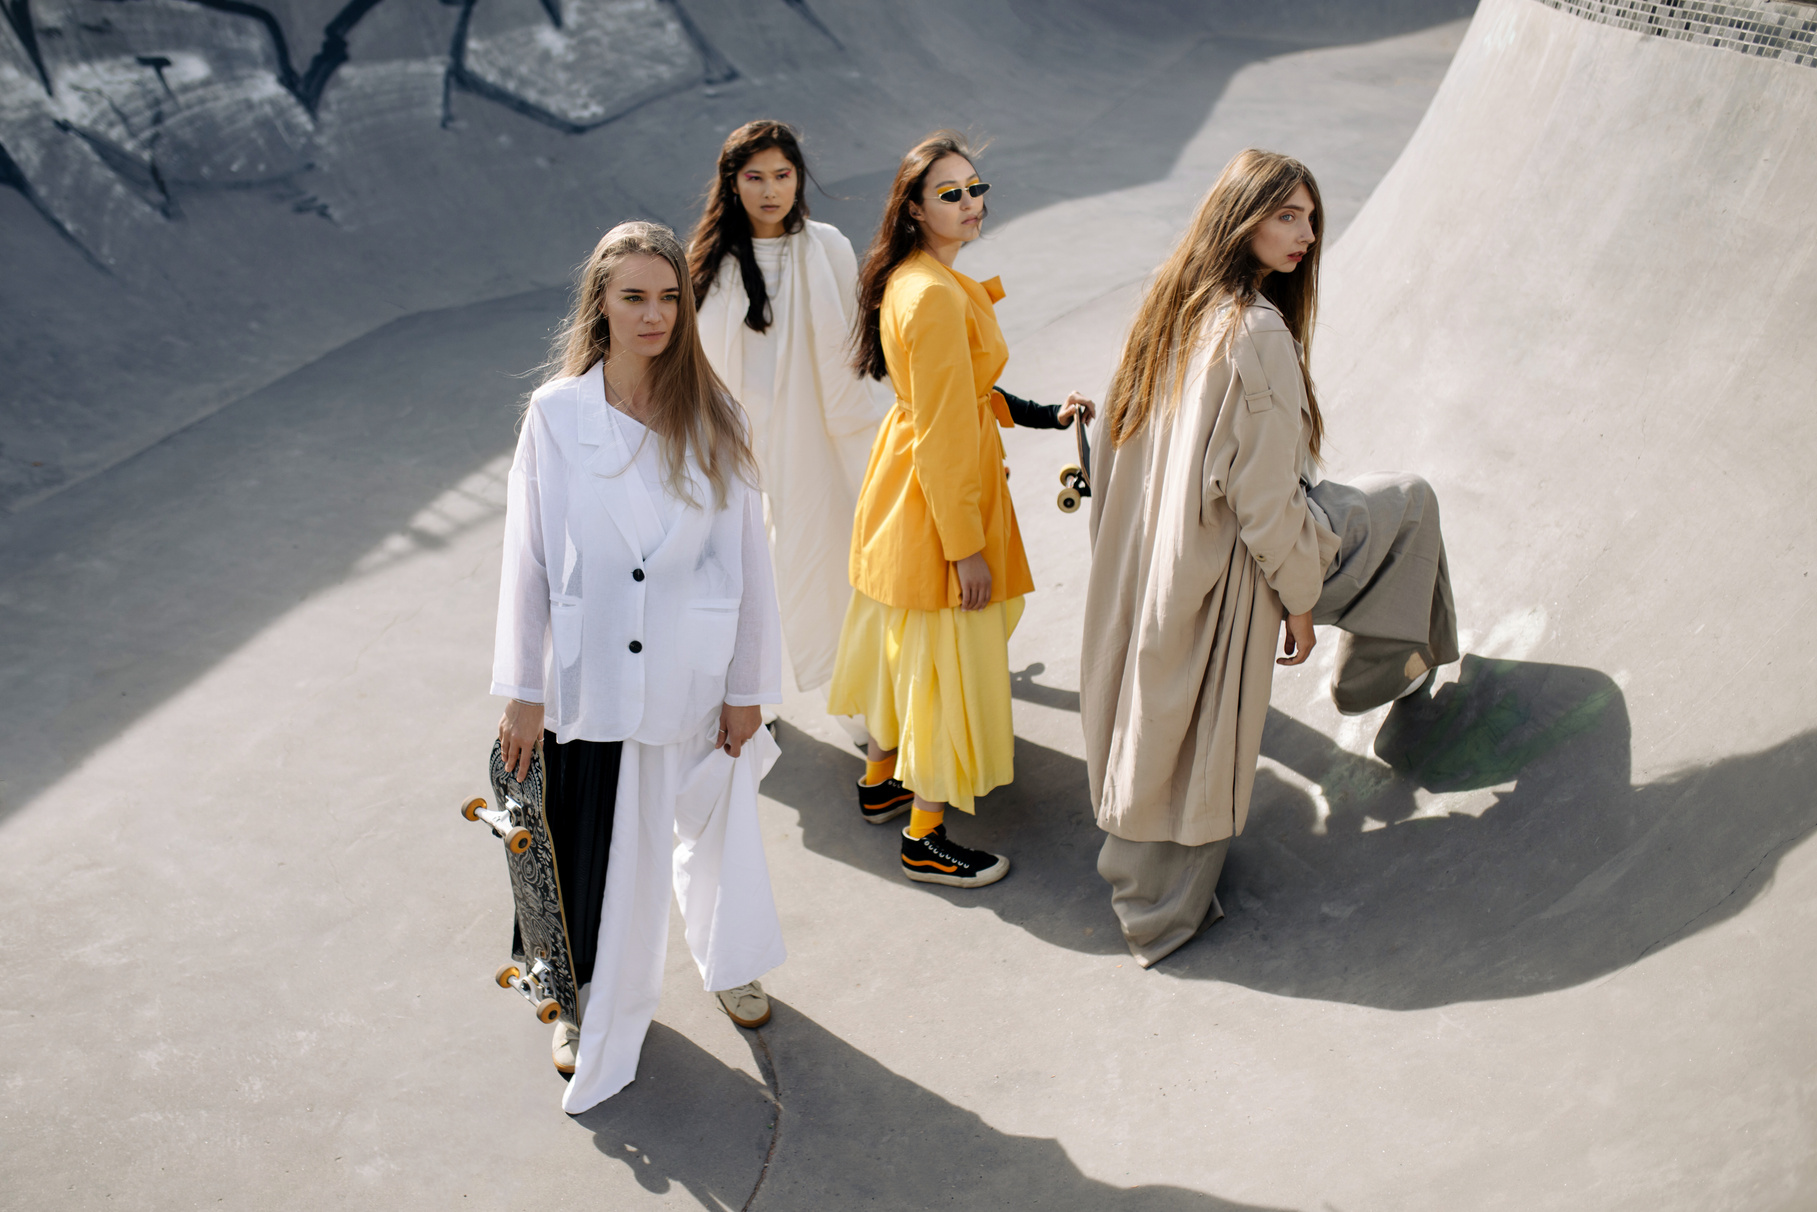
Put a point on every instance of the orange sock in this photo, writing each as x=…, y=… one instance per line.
x=876, y=772
x=923, y=823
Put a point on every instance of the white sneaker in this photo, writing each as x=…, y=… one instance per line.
x=747, y=1005
x=1417, y=682
x=563, y=1047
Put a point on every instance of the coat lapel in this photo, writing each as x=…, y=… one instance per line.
x=607, y=462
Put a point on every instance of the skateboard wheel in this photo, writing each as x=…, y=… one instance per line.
x=1068, y=500
x=1068, y=473
x=518, y=840
x=548, y=1010
x=471, y=808
x=506, y=975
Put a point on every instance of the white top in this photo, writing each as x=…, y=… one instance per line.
x=759, y=379
x=623, y=609
x=648, y=459
x=768, y=252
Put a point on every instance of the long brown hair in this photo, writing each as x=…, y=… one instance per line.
x=1212, y=265
x=690, y=409
x=898, y=236
x=724, y=226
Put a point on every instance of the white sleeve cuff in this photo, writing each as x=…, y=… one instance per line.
x=761, y=698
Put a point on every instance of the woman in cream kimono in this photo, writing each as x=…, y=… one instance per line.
x=776, y=294
x=637, y=638
x=1209, y=524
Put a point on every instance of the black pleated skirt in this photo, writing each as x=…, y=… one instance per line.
x=580, y=791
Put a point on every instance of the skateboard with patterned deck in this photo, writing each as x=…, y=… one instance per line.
x=1075, y=478
x=544, y=973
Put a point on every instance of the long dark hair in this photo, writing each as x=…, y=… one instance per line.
x=1211, y=266
x=725, y=228
x=898, y=236
x=690, y=409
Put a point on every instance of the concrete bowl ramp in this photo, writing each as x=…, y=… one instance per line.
x=1541, y=941
x=1567, y=305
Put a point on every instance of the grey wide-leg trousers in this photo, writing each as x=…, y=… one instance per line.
x=1163, y=893
x=1389, y=591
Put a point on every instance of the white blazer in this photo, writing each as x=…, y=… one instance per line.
x=622, y=630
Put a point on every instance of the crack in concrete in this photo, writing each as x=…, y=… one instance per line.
x=766, y=1062
x=1678, y=932
x=144, y=178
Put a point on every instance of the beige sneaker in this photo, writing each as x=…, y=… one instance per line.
x=563, y=1047
x=747, y=1005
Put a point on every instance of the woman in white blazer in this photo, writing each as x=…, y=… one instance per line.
x=777, y=292
x=637, y=637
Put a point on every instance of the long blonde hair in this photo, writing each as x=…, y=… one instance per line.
x=1212, y=265
x=689, y=407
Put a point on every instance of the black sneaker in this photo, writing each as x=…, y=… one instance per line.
x=885, y=801
x=935, y=859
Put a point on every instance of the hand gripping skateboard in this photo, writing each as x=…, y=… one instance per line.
x=546, y=977
x=1075, y=478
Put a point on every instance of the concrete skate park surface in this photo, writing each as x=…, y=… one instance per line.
x=1557, y=955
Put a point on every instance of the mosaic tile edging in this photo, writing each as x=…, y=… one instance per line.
x=1766, y=30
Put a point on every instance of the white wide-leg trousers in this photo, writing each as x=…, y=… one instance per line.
x=686, y=816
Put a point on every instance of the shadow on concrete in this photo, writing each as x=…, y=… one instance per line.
x=1566, y=872
x=689, y=1120
x=1133, y=143
x=1138, y=140
x=692, y=1121
x=123, y=590
x=1042, y=821
x=1022, y=685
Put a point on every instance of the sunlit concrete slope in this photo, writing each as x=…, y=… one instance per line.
x=1582, y=299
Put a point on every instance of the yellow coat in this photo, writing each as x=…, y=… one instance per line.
x=935, y=490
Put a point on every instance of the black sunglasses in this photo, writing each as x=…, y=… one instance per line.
x=976, y=189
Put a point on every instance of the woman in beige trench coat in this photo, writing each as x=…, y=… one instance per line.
x=1209, y=524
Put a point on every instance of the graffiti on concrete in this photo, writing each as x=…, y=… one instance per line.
x=110, y=109
x=605, y=59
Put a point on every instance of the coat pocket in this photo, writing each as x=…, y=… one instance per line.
x=564, y=628
x=711, y=634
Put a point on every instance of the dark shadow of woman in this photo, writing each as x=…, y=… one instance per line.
x=846, y=1133
x=1564, y=873
x=1560, y=872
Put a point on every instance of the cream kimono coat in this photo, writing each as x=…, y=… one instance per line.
x=1200, y=538
x=814, y=439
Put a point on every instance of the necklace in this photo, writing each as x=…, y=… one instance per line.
x=629, y=404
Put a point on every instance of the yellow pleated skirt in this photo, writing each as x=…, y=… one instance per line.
x=934, y=686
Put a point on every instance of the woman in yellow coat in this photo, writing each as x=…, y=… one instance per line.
x=937, y=562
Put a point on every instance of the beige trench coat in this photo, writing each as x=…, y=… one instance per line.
x=1200, y=537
